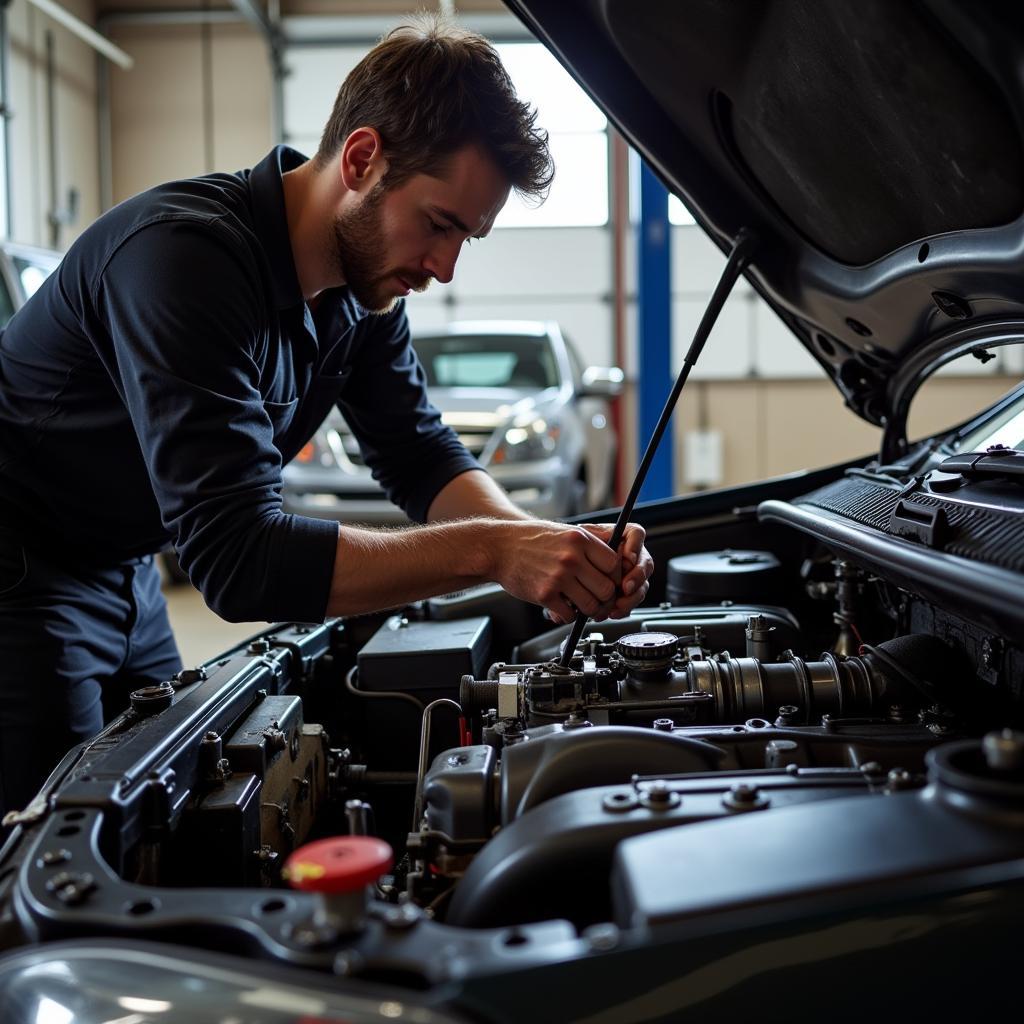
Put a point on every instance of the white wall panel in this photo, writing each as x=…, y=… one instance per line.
x=1012, y=359
x=969, y=366
x=697, y=263
x=314, y=77
x=306, y=144
x=425, y=314
x=777, y=350
x=536, y=261
x=727, y=352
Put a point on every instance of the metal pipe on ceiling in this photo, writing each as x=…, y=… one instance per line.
x=84, y=32
x=168, y=16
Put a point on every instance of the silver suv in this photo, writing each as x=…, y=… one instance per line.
x=23, y=268
x=521, y=401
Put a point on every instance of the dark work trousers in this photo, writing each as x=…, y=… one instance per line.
x=74, y=643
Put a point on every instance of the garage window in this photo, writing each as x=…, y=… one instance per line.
x=579, y=143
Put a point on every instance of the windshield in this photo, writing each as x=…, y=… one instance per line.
x=1007, y=429
x=488, y=361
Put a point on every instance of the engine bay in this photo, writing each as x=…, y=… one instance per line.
x=785, y=730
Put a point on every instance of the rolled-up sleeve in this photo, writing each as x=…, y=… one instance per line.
x=410, y=452
x=182, y=344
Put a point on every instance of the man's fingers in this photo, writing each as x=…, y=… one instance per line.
x=601, y=556
x=625, y=605
x=559, y=611
x=584, y=600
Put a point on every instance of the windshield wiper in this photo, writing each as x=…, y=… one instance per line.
x=998, y=460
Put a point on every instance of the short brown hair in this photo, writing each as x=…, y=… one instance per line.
x=430, y=88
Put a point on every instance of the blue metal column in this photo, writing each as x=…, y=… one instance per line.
x=654, y=314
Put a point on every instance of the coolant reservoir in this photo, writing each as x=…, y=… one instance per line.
x=729, y=575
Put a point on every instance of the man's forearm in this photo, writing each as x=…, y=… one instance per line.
x=473, y=493
x=563, y=568
x=376, y=569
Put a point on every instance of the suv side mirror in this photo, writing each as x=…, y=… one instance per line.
x=601, y=382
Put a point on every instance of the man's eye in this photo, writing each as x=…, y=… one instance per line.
x=435, y=226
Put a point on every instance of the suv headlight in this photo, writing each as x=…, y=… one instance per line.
x=527, y=441
x=325, y=449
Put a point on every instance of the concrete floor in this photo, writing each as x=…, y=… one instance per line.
x=201, y=635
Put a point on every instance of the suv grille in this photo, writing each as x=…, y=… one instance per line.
x=474, y=443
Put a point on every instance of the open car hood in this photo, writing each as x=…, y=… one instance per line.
x=875, y=150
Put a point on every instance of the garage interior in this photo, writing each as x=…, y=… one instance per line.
x=484, y=769
x=214, y=85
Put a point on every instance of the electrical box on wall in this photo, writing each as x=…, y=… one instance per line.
x=702, y=458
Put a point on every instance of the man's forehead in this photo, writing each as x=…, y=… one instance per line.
x=469, y=191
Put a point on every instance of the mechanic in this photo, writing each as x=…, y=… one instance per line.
x=191, y=342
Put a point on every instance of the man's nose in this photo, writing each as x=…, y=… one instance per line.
x=441, y=260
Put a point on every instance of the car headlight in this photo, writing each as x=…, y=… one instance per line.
x=527, y=440
x=324, y=449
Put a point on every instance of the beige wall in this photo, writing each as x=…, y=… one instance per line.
x=779, y=426
x=197, y=100
x=75, y=104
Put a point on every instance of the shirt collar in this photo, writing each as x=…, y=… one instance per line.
x=270, y=220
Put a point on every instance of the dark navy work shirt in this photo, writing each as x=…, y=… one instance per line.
x=154, y=386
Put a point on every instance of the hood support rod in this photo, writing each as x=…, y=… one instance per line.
x=739, y=257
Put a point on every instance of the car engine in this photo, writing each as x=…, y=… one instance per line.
x=798, y=728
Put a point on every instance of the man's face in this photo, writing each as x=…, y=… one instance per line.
x=395, y=240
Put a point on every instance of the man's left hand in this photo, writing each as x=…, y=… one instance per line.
x=637, y=568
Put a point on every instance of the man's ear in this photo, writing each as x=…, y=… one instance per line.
x=361, y=162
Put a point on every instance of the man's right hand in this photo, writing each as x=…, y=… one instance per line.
x=563, y=568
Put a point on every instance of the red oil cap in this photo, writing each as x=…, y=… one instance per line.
x=337, y=865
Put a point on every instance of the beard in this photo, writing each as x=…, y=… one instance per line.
x=359, y=255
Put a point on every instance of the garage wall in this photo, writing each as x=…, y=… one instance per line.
x=197, y=100
x=75, y=154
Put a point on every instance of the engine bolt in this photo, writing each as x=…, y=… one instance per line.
x=619, y=802
x=743, y=797
x=50, y=858
x=261, y=646
x=402, y=917
x=658, y=793
x=576, y=720
x=789, y=714
x=70, y=888
x=663, y=724
x=659, y=796
x=899, y=778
